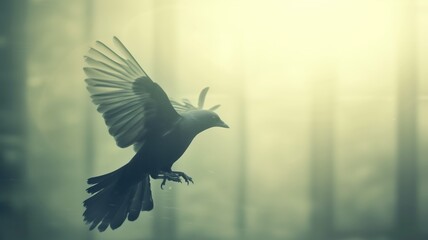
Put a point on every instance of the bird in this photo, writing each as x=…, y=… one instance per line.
x=137, y=112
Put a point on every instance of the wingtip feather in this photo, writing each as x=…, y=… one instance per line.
x=202, y=97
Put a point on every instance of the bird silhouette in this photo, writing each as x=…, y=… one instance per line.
x=137, y=112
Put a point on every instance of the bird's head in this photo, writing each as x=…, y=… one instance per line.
x=208, y=119
x=202, y=119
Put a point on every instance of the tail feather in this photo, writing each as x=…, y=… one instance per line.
x=97, y=187
x=122, y=210
x=95, y=206
x=136, y=203
x=106, y=221
x=142, y=200
x=100, y=182
x=116, y=196
x=97, y=179
x=147, y=204
x=96, y=222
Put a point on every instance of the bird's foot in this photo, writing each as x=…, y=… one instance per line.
x=186, y=177
x=170, y=176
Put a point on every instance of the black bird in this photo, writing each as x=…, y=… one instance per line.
x=137, y=112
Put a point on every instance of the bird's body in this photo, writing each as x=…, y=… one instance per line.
x=138, y=112
x=162, y=149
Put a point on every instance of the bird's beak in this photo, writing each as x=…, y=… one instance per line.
x=222, y=124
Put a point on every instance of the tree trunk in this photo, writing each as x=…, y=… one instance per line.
x=322, y=156
x=407, y=177
x=165, y=223
x=13, y=137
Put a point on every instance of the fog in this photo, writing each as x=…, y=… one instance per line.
x=326, y=102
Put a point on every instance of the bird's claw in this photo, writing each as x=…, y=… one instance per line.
x=163, y=183
x=170, y=176
x=186, y=177
x=173, y=176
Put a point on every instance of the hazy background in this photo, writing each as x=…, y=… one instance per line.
x=327, y=102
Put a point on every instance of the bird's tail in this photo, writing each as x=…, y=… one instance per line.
x=115, y=196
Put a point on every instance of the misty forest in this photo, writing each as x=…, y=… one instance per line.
x=327, y=103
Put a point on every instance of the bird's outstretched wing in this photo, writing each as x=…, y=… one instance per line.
x=130, y=102
x=186, y=105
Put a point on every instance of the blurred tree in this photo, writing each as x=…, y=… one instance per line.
x=56, y=122
x=407, y=177
x=241, y=185
x=165, y=224
x=88, y=141
x=322, y=149
x=13, y=220
x=242, y=127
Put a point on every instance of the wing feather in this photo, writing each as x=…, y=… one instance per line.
x=107, y=67
x=186, y=105
x=130, y=59
x=130, y=102
x=108, y=60
x=97, y=72
x=103, y=83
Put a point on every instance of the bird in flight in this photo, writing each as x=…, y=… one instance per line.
x=137, y=112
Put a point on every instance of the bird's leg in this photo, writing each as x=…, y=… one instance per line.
x=186, y=177
x=170, y=176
